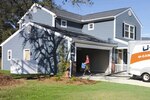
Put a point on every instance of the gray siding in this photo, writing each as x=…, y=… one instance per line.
x=102, y=30
x=71, y=26
x=15, y=44
x=125, y=18
x=40, y=16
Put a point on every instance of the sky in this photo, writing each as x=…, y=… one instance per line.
x=141, y=9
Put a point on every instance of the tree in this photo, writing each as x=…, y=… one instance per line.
x=45, y=45
x=12, y=10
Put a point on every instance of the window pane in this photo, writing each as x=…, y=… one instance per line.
x=90, y=26
x=131, y=35
x=9, y=54
x=27, y=55
x=127, y=27
x=126, y=34
x=64, y=23
x=131, y=29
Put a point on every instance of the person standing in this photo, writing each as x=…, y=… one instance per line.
x=87, y=63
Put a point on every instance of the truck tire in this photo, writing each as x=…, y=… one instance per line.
x=146, y=77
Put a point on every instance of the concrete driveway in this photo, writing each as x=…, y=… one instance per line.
x=122, y=78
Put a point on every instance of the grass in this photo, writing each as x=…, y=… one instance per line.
x=38, y=90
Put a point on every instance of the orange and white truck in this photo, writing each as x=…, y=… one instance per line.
x=139, y=59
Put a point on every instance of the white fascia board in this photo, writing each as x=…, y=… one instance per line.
x=97, y=19
x=94, y=43
x=114, y=35
x=92, y=46
x=121, y=41
x=65, y=37
x=122, y=47
x=34, y=5
x=132, y=13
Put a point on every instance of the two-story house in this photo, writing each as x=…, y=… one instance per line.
x=103, y=36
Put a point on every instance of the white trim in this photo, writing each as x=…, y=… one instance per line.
x=114, y=29
x=97, y=19
x=132, y=14
x=121, y=41
x=53, y=21
x=62, y=20
x=122, y=47
x=34, y=5
x=122, y=12
x=115, y=39
x=9, y=52
x=24, y=51
x=129, y=32
x=12, y=36
x=93, y=46
x=2, y=67
x=89, y=28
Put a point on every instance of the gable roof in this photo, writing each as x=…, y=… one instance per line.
x=104, y=14
x=74, y=36
x=76, y=17
x=87, y=17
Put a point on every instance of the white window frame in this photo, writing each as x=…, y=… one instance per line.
x=89, y=26
x=24, y=54
x=64, y=26
x=129, y=31
x=9, y=55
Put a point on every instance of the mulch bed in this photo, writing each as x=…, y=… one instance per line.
x=69, y=81
x=6, y=80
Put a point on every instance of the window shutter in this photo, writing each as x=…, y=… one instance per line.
x=122, y=29
x=135, y=32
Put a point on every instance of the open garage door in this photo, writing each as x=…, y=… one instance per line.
x=99, y=59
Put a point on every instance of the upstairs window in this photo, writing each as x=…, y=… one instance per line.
x=9, y=55
x=64, y=23
x=91, y=26
x=129, y=31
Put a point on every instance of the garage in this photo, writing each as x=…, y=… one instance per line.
x=100, y=55
x=99, y=59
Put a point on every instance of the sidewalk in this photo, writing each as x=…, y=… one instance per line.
x=122, y=78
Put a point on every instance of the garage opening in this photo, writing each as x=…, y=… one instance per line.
x=99, y=59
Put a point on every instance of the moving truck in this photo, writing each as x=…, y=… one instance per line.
x=139, y=59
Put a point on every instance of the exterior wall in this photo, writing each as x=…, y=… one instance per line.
x=40, y=16
x=16, y=46
x=125, y=18
x=102, y=30
x=71, y=26
x=46, y=58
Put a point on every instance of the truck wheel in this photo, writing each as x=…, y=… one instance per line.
x=146, y=77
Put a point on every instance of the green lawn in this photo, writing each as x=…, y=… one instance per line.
x=35, y=90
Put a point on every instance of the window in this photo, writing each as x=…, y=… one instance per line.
x=26, y=54
x=64, y=23
x=9, y=55
x=129, y=31
x=91, y=26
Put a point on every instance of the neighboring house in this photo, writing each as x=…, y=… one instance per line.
x=102, y=36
